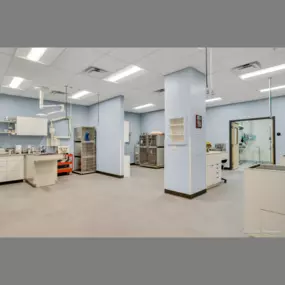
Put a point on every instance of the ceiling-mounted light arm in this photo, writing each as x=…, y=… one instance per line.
x=98, y=103
x=206, y=62
x=211, y=72
x=41, y=101
x=270, y=98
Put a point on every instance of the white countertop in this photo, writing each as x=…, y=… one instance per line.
x=7, y=154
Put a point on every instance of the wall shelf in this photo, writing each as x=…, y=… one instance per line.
x=176, y=131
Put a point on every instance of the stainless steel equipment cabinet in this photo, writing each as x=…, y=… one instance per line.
x=152, y=150
x=84, y=150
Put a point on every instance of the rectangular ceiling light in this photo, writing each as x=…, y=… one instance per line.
x=36, y=54
x=272, y=89
x=130, y=70
x=16, y=82
x=263, y=71
x=213, y=99
x=144, y=106
x=80, y=94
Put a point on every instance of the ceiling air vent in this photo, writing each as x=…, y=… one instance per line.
x=159, y=91
x=246, y=68
x=56, y=92
x=94, y=69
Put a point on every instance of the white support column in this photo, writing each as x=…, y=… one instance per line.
x=185, y=158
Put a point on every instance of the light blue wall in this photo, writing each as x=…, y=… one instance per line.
x=152, y=121
x=217, y=120
x=13, y=106
x=135, y=130
x=110, y=134
x=217, y=128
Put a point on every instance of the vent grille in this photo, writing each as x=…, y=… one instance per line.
x=94, y=69
x=247, y=67
x=56, y=92
x=159, y=91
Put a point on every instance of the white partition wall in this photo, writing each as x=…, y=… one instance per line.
x=110, y=135
x=185, y=150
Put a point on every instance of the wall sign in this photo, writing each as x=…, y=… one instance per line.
x=198, y=122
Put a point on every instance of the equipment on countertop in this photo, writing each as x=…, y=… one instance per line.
x=18, y=149
x=63, y=149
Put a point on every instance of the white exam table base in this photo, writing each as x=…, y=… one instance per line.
x=41, y=170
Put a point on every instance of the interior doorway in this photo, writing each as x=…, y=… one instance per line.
x=252, y=141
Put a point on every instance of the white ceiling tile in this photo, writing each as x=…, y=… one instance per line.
x=77, y=59
x=11, y=91
x=84, y=82
x=139, y=90
x=25, y=68
x=167, y=60
x=109, y=63
x=4, y=63
x=149, y=81
x=48, y=57
x=51, y=76
x=8, y=51
x=131, y=55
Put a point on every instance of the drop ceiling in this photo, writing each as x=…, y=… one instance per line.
x=67, y=66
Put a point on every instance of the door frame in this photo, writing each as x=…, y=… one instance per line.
x=251, y=119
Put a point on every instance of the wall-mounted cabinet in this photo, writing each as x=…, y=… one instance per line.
x=27, y=126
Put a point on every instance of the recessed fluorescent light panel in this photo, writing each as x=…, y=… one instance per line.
x=124, y=73
x=16, y=82
x=40, y=55
x=213, y=99
x=272, y=89
x=144, y=106
x=262, y=71
x=80, y=94
x=41, y=115
x=36, y=54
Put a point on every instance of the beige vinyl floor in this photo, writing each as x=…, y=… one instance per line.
x=101, y=206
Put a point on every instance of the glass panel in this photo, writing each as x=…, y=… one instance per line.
x=255, y=142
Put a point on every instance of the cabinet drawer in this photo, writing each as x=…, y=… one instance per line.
x=15, y=175
x=15, y=166
x=3, y=162
x=3, y=176
x=15, y=158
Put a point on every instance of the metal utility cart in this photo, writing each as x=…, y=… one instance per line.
x=84, y=150
x=152, y=150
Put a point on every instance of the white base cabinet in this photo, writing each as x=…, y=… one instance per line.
x=214, y=167
x=11, y=168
